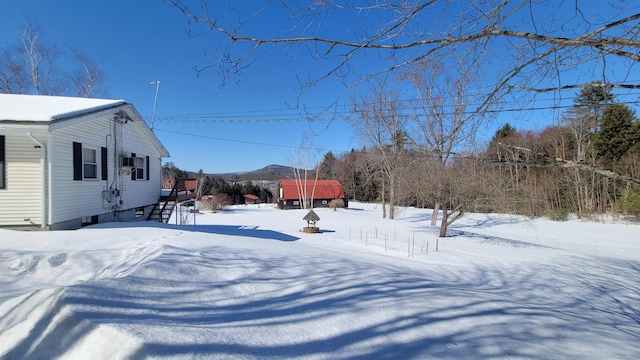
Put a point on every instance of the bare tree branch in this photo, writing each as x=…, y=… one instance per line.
x=562, y=163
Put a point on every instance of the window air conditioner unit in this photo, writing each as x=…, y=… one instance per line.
x=127, y=162
x=132, y=162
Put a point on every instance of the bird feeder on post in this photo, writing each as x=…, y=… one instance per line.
x=311, y=218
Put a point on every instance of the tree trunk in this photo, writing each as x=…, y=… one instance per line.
x=384, y=206
x=434, y=217
x=445, y=218
x=443, y=224
x=392, y=196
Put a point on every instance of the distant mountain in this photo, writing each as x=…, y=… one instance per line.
x=270, y=172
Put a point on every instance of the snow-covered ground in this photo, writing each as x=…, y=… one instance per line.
x=247, y=283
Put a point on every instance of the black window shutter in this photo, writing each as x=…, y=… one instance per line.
x=133, y=171
x=104, y=163
x=77, y=161
x=147, y=164
x=2, y=163
x=1, y=147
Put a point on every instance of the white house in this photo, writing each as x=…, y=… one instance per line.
x=66, y=162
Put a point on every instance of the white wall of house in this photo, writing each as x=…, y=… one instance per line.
x=21, y=200
x=71, y=199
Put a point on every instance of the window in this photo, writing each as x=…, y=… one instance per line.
x=89, y=220
x=85, y=162
x=90, y=163
x=139, y=212
x=137, y=172
x=2, y=163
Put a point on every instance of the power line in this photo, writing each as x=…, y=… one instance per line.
x=245, y=141
x=285, y=114
x=279, y=117
x=341, y=115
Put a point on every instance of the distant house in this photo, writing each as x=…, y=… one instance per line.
x=290, y=192
x=65, y=162
x=251, y=199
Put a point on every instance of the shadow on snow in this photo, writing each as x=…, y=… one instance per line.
x=233, y=230
x=324, y=306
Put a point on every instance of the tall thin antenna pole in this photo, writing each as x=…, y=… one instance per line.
x=155, y=101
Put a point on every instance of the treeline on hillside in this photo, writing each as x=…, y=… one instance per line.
x=229, y=192
x=588, y=164
x=237, y=190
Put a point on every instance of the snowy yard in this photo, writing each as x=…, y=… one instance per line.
x=247, y=283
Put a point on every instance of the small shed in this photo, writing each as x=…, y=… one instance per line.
x=251, y=199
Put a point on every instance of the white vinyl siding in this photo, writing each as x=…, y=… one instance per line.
x=21, y=198
x=78, y=199
x=83, y=178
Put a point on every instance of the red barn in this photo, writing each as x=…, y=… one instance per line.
x=290, y=192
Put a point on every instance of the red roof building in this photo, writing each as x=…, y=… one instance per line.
x=291, y=192
x=251, y=199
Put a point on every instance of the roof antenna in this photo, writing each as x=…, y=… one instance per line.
x=155, y=100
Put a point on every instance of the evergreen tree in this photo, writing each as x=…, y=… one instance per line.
x=327, y=170
x=170, y=170
x=594, y=98
x=504, y=132
x=630, y=202
x=347, y=168
x=584, y=118
x=616, y=136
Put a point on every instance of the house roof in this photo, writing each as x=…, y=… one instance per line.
x=251, y=197
x=18, y=107
x=324, y=189
x=58, y=111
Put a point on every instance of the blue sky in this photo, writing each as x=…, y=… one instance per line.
x=140, y=41
x=241, y=126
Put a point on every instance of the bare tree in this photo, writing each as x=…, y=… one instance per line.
x=534, y=42
x=305, y=157
x=445, y=123
x=380, y=123
x=524, y=47
x=29, y=67
x=583, y=120
x=13, y=73
x=201, y=182
x=39, y=59
x=88, y=78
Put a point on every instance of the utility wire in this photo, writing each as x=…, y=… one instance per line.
x=263, y=116
x=244, y=141
x=339, y=115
